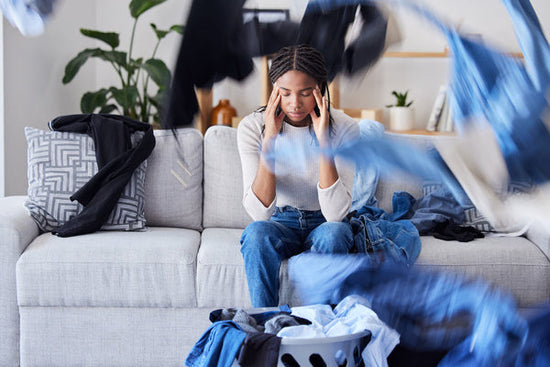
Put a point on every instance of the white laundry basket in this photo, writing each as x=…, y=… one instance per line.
x=330, y=351
x=333, y=351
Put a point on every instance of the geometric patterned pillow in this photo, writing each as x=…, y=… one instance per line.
x=60, y=163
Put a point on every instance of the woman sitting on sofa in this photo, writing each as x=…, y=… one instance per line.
x=294, y=210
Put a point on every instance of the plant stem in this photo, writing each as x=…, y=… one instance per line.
x=131, y=48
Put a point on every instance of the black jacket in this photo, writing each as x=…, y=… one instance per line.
x=116, y=160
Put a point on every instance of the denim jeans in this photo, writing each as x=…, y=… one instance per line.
x=290, y=231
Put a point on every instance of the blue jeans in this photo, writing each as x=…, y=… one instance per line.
x=264, y=244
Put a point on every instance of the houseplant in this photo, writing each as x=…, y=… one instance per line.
x=401, y=113
x=134, y=96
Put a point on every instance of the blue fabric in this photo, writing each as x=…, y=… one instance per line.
x=387, y=237
x=437, y=207
x=366, y=179
x=218, y=346
x=480, y=325
x=264, y=244
x=27, y=16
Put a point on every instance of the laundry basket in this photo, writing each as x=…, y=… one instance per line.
x=333, y=351
x=330, y=351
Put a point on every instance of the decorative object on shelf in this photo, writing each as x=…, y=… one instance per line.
x=401, y=114
x=223, y=113
x=132, y=97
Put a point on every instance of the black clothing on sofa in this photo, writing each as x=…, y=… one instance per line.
x=116, y=160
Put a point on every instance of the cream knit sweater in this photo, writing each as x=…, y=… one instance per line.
x=297, y=177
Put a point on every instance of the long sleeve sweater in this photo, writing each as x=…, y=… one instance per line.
x=297, y=182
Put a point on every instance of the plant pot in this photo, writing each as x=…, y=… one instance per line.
x=401, y=118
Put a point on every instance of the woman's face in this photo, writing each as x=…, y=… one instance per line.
x=297, y=100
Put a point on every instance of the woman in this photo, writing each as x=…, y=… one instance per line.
x=293, y=210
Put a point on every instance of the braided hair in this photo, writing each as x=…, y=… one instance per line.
x=306, y=59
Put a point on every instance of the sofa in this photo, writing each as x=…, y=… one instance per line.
x=142, y=298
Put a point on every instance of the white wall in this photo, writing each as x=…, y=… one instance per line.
x=2, y=152
x=33, y=92
x=33, y=67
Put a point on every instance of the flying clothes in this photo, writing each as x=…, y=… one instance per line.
x=478, y=325
x=226, y=47
x=28, y=16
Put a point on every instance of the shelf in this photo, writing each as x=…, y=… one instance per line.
x=417, y=54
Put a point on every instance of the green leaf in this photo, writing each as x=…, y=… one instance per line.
x=92, y=100
x=160, y=33
x=72, y=68
x=159, y=99
x=178, y=28
x=108, y=108
x=110, y=38
x=117, y=57
x=125, y=97
x=138, y=7
x=158, y=71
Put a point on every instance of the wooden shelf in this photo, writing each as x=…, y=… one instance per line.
x=415, y=54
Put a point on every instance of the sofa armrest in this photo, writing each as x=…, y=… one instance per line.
x=540, y=237
x=17, y=230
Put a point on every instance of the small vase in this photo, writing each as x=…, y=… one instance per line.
x=223, y=113
x=401, y=118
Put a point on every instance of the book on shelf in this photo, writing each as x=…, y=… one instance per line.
x=441, y=115
x=437, y=108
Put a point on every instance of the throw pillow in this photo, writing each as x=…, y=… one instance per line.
x=60, y=163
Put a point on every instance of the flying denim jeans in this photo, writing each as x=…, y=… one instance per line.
x=290, y=231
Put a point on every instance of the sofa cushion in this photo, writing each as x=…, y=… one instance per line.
x=153, y=268
x=221, y=278
x=59, y=164
x=512, y=263
x=223, y=182
x=173, y=184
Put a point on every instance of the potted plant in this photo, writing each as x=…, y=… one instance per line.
x=133, y=96
x=401, y=114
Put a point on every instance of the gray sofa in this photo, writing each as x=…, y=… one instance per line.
x=143, y=298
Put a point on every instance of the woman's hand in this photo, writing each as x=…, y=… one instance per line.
x=321, y=122
x=273, y=121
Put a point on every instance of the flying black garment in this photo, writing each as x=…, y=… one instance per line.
x=116, y=161
x=212, y=48
x=226, y=46
x=325, y=26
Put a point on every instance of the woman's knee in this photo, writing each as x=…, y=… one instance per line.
x=257, y=235
x=332, y=237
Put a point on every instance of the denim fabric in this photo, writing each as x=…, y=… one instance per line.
x=480, y=325
x=217, y=347
x=437, y=207
x=387, y=237
x=488, y=86
x=289, y=232
x=366, y=180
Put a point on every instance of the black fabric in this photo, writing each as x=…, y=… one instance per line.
x=212, y=48
x=116, y=159
x=450, y=231
x=259, y=349
x=326, y=31
x=268, y=38
x=216, y=44
x=402, y=356
x=369, y=45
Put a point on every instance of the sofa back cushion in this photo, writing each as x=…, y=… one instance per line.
x=223, y=182
x=173, y=182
